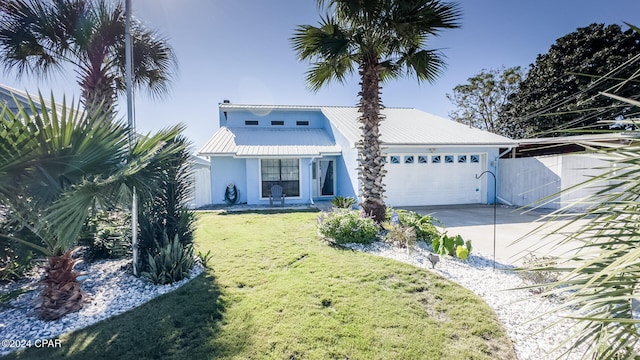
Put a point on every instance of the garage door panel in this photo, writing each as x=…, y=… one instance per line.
x=412, y=184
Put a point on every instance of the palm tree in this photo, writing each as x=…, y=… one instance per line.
x=384, y=39
x=57, y=164
x=601, y=278
x=41, y=36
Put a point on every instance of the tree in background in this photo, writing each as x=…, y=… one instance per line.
x=561, y=88
x=41, y=36
x=384, y=39
x=480, y=100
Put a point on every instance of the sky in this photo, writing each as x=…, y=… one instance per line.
x=240, y=51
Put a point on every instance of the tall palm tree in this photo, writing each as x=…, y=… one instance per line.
x=384, y=39
x=58, y=163
x=41, y=36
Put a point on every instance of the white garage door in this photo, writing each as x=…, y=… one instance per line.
x=434, y=179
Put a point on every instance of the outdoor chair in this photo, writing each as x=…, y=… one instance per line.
x=277, y=195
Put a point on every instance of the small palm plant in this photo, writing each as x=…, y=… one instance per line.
x=54, y=167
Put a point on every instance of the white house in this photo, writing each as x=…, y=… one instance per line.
x=311, y=152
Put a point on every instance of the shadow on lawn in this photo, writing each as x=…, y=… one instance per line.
x=183, y=324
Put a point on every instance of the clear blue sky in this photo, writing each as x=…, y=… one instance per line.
x=240, y=51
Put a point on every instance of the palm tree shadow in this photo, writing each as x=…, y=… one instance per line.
x=185, y=323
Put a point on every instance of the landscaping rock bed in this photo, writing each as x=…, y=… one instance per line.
x=521, y=312
x=112, y=289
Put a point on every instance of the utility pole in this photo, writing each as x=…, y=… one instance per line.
x=128, y=54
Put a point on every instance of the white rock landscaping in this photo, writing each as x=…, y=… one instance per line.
x=112, y=291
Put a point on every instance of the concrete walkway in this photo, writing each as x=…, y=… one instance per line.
x=513, y=230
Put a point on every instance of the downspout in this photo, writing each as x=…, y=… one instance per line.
x=497, y=160
x=311, y=179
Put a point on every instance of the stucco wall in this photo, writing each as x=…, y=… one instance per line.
x=347, y=184
x=253, y=183
x=224, y=170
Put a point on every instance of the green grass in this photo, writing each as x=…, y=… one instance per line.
x=276, y=292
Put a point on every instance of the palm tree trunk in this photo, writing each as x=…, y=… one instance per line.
x=62, y=293
x=371, y=170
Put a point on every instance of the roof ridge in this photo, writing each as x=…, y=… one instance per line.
x=284, y=106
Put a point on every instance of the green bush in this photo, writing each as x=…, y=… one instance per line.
x=172, y=262
x=107, y=235
x=452, y=246
x=421, y=224
x=16, y=259
x=344, y=226
x=342, y=202
x=165, y=212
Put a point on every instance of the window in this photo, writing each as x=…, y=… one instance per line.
x=423, y=159
x=448, y=159
x=462, y=158
x=283, y=172
x=251, y=122
x=435, y=159
x=383, y=159
x=395, y=159
x=408, y=159
x=302, y=123
x=475, y=158
x=277, y=122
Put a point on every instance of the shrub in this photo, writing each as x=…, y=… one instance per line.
x=421, y=224
x=401, y=236
x=452, y=246
x=16, y=259
x=107, y=235
x=165, y=214
x=170, y=263
x=342, y=202
x=344, y=226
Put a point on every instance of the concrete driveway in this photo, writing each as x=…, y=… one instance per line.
x=475, y=223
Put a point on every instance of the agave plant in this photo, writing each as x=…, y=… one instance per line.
x=57, y=164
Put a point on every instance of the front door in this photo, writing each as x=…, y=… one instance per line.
x=326, y=177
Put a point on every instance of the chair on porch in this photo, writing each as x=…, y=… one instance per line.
x=277, y=195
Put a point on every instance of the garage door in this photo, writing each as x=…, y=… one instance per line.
x=434, y=179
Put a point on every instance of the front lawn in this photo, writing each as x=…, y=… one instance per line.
x=276, y=292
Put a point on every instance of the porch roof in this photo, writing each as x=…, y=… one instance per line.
x=261, y=142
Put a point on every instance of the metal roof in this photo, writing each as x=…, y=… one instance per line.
x=407, y=126
x=265, y=142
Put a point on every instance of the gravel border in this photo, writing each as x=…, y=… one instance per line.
x=112, y=289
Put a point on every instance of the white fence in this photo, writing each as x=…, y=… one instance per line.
x=536, y=181
x=201, y=182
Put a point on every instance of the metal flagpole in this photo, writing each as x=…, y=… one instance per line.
x=128, y=54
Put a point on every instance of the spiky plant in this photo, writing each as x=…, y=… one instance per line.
x=383, y=39
x=57, y=164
